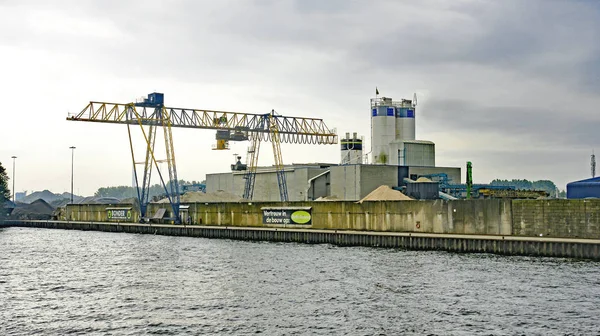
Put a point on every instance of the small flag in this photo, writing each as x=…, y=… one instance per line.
x=376, y=91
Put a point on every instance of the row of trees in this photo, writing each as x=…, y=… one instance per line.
x=122, y=192
x=545, y=185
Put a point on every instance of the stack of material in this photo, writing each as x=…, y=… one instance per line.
x=99, y=200
x=385, y=193
x=50, y=197
x=38, y=209
x=200, y=197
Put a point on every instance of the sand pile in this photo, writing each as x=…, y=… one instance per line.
x=385, y=193
x=327, y=198
x=424, y=179
x=199, y=197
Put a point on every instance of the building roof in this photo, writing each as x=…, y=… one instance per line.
x=592, y=180
x=420, y=142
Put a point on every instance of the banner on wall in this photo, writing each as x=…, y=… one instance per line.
x=118, y=214
x=287, y=215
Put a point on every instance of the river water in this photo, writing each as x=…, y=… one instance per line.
x=57, y=282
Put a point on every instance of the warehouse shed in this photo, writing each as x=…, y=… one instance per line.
x=589, y=188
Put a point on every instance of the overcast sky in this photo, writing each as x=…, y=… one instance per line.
x=510, y=85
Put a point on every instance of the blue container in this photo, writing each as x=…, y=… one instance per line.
x=405, y=112
x=382, y=111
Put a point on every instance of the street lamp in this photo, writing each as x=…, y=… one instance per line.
x=72, y=159
x=13, y=187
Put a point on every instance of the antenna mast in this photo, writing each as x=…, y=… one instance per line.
x=593, y=164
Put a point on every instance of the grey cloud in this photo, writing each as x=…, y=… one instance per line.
x=536, y=37
x=333, y=53
x=554, y=125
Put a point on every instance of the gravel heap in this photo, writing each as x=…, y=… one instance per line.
x=38, y=209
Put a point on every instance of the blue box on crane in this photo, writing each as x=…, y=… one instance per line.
x=156, y=98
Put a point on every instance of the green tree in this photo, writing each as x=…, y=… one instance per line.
x=122, y=192
x=4, y=191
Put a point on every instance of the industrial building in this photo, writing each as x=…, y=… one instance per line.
x=589, y=188
x=396, y=158
x=308, y=182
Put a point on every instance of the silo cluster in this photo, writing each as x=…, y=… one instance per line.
x=391, y=121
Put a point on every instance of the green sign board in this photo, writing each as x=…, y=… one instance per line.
x=118, y=214
x=287, y=215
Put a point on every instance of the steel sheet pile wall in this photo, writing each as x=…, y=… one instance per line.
x=557, y=218
x=551, y=247
x=494, y=226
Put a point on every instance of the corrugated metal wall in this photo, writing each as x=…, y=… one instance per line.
x=584, y=189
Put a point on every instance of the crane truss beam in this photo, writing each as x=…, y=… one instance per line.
x=297, y=130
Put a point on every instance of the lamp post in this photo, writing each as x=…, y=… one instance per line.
x=13, y=178
x=72, y=160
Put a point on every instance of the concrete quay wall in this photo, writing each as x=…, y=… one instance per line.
x=556, y=218
x=438, y=216
x=526, y=218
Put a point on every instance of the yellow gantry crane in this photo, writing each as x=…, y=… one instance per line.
x=151, y=113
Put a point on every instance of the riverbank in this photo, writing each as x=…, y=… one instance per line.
x=497, y=244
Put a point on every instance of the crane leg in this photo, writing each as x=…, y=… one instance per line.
x=276, y=141
x=173, y=192
x=150, y=139
x=252, y=159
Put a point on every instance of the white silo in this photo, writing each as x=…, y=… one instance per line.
x=383, y=129
x=405, y=120
x=351, y=149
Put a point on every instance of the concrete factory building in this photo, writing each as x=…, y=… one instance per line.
x=396, y=156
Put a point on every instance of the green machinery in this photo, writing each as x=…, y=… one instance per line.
x=469, y=180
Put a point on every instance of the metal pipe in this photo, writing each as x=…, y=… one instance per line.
x=72, y=160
